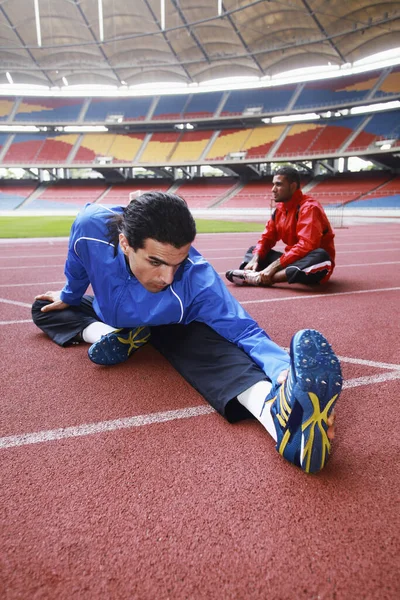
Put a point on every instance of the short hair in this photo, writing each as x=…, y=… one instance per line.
x=291, y=174
x=160, y=216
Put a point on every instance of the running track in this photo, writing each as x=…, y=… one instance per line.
x=122, y=483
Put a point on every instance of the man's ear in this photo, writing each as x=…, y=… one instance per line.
x=123, y=242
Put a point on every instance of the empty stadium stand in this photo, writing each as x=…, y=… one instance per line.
x=114, y=110
x=343, y=188
x=46, y=110
x=205, y=192
x=63, y=195
x=118, y=193
x=14, y=193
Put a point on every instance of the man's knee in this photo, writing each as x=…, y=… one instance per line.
x=37, y=314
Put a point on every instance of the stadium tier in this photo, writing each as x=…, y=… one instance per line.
x=390, y=86
x=101, y=110
x=159, y=148
x=258, y=101
x=343, y=188
x=202, y=106
x=118, y=193
x=108, y=148
x=206, y=192
x=254, y=194
x=14, y=193
x=45, y=110
x=6, y=106
x=170, y=107
x=339, y=91
x=69, y=195
x=39, y=148
x=378, y=128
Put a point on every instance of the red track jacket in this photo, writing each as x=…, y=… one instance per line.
x=302, y=225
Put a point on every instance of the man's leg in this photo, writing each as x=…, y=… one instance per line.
x=65, y=326
x=216, y=368
x=75, y=324
x=296, y=413
x=316, y=267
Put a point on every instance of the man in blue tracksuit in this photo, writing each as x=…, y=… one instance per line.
x=150, y=283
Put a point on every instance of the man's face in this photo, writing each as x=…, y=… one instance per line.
x=155, y=265
x=282, y=190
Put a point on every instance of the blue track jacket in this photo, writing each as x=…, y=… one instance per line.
x=197, y=293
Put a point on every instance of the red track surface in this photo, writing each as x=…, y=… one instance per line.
x=192, y=507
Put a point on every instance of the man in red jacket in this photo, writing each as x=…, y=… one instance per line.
x=301, y=223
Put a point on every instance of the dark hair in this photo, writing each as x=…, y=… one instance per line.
x=160, y=216
x=291, y=174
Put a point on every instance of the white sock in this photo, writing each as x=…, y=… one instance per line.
x=253, y=399
x=93, y=332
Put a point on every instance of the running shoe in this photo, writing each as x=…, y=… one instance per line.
x=116, y=347
x=302, y=404
x=243, y=277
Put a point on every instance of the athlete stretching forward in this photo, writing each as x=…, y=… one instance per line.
x=149, y=283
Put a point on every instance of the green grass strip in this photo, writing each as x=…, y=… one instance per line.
x=31, y=227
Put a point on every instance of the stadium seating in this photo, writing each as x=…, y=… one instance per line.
x=254, y=194
x=390, y=86
x=118, y=194
x=103, y=110
x=14, y=193
x=6, y=106
x=381, y=126
x=336, y=92
x=274, y=99
x=191, y=146
x=159, y=148
x=66, y=195
x=343, y=188
x=204, y=193
x=109, y=147
x=45, y=110
x=202, y=106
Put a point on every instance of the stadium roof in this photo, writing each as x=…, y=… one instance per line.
x=120, y=42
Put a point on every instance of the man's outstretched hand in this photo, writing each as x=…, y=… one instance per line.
x=332, y=417
x=54, y=298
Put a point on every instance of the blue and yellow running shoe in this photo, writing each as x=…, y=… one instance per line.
x=302, y=404
x=116, y=347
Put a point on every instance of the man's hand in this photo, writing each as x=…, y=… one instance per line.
x=332, y=417
x=54, y=298
x=267, y=274
x=253, y=264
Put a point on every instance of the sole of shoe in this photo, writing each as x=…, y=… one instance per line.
x=116, y=347
x=315, y=382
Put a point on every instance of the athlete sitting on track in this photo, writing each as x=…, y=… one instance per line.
x=148, y=280
x=302, y=224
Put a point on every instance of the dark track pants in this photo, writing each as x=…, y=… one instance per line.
x=315, y=267
x=215, y=367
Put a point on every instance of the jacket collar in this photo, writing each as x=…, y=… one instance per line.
x=297, y=198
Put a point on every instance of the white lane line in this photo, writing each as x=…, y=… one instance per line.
x=310, y=296
x=19, y=257
x=16, y=322
x=8, y=285
x=368, y=379
x=368, y=363
x=141, y=420
x=89, y=429
x=32, y=267
x=15, y=303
